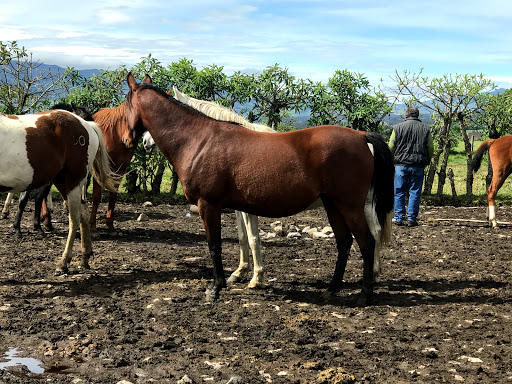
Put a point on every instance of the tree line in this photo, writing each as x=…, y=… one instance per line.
x=456, y=103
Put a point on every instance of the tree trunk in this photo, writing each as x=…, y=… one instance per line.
x=131, y=182
x=441, y=143
x=469, y=154
x=157, y=180
x=174, y=182
x=442, y=170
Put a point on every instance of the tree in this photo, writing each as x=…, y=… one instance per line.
x=25, y=84
x=348, y=100
x=101, y=90
x=450, y=98
x=276, y=92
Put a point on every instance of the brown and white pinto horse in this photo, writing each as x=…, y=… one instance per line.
x=120, y=147
x=500, y=156
x=60, y=147
x=222, y=164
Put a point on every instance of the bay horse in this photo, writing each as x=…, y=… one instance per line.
x=247, y=224
x=59, y=147
x=42, y=213
x=223, y=165
x=120, y=148
x=500, y=156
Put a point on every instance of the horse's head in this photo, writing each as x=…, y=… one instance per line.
x=134, y=112
x=149, y=143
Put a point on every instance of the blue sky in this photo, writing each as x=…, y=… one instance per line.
x=311, y=38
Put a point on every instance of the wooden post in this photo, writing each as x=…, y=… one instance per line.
x=452, y=181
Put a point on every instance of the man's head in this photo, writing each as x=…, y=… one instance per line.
x=412, y=112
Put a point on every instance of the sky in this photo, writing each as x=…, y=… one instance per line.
x=312, y=38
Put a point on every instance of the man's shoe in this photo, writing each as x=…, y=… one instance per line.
x=412, y=223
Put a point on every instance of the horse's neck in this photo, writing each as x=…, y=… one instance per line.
x=176, y=130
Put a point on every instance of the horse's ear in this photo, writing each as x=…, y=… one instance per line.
x=132, y=83
x=148, y=79
x=169, y=92
x=176, y=92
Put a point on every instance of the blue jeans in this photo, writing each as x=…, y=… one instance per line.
x=408, y=178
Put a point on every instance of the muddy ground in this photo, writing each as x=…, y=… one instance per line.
x=443, y=309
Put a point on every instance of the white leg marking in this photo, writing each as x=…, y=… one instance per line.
x=251, y=224
x=492, y=216
x=243, y=267
x=74, y=206
x=7, y=205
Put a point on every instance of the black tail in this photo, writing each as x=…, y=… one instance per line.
x=479, y=154
x=383, y=180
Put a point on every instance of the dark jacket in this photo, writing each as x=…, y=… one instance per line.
x=411, y=143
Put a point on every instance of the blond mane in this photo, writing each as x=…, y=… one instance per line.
x=218, y=112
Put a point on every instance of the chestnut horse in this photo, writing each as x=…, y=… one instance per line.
x=222, y=164
x=247, y=224
x=60, y=147
x=500, y=156
x=120, y=148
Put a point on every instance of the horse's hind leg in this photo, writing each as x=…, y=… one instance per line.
x=74, y=207
x=249, y=237
x=96, y=199
x=498, y=178
x=343, y=243
x=112, y=198
x=7, y=205
x=22, y=203
x=243, y=240
x=251, y=223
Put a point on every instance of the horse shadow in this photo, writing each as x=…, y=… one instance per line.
x=397, y=293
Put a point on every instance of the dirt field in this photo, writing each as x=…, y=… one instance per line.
x=443, y=308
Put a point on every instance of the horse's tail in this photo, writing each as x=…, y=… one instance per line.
x=381, y=196
x=379, y=202
x=479, y=154
x=101, y=170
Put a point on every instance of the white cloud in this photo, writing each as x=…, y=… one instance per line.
x=67, y=35
x=111, y=17
x=14, y=33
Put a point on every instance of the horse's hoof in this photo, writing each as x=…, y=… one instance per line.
x=61, y=271
x=211, y=295
x=49, y=228
x=233, y=279
x=18, y=236
x=363, y=301
x=255, y=285
x=95, y=235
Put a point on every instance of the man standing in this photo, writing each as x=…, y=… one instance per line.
x=412, y=145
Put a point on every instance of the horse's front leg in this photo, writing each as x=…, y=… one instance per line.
x=211, y=216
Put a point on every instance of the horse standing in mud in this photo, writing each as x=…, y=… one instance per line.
x=500, y=156
x=59, y=147
x=42, y=211
x=247, y=224
x=120, y=147
x=223, y=165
